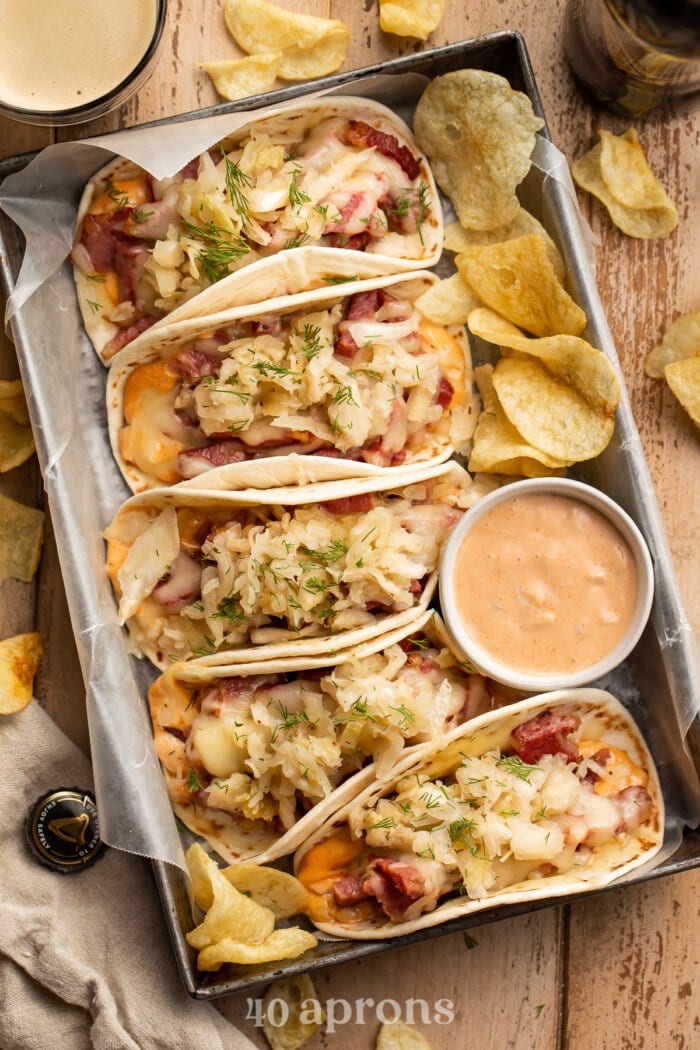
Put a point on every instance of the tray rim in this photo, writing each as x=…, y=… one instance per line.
x=166, y=877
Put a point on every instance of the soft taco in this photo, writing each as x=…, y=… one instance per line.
x=302, y=569
x=342, y=173
x=254, y=753
x=354, y=371
x=551, y=796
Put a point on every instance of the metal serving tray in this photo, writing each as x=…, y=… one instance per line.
x=661, y=672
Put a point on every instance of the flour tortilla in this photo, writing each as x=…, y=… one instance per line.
x=162, y=341
x=283, y=489
x=230, y=838
x=611, y=861
x=287, y=278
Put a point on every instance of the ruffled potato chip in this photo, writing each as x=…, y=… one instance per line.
x=294, y=991
x=21, y=536
x=288, y=943
x=498, y=447
x=457, y=239
x=19, y=660
x=281, y=893
x=417, y=18
x=682, y=340
x=571, y=359
x=517, y=279
x=230, y=914
x=562, y=400
x=243, y=77
x=449, y=301
x=644, y=223
x=626, y=173
x=16, y=441
x=683, y=377
x=478, y=135
x=311, y=47
x=395, y=1035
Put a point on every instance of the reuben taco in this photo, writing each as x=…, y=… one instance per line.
x=308, y=569
x=342, y=173
x=355, y=372
x=555, y=795
x=252, y=752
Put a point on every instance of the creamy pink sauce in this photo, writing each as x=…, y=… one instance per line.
x=545, y=584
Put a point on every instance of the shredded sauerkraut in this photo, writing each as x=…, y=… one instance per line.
x=269, y=574
x=261, y=746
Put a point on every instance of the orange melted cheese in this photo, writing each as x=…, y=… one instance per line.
x=323, y=865
x=135, y=190
x=451, y=356
x=149, y=393
x=620, y=772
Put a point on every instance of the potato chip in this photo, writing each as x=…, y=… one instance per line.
x=230, y=914
x=288, y=943
x=643, y=223
x=683, y=377
x=395, y=1035
x=517, y=279
x=243, y=77
x=498, y=447
x=680, y=341
x=294, y=991
x=16, y=441
x=449, y=301
x=457, y=239
x=568, y=357
x=311, y=47
x=417, y=18
x=549, y=414
x=19, y=660
x=281, y=893
x=563, y=402
x=21, y=536
x=478, y=134
x=626, y=173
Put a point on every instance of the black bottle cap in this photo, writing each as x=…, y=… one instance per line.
x=63, y=830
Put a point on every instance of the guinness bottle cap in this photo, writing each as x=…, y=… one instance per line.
x=63, y=830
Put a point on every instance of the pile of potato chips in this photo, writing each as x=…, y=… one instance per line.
x=677, y=360
x=616, y=172
x=278, y=43
x=292, y=46
x=242, y=904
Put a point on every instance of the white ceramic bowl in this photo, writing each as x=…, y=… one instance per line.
x=501, y=672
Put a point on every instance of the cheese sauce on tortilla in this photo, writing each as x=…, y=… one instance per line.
x=55, y=56
x=545, y=584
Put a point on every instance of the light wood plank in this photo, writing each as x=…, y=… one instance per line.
x=516, y=957
x=634, y=973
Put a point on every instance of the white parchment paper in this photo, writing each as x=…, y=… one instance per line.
x=65, y=384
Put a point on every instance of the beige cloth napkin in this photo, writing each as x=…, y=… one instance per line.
x=85, y=960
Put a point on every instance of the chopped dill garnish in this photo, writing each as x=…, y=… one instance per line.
x=515, y=765
x=236, y=179
x=297, y=196
x=312, y=341
x=140, y=216
x=94, y=306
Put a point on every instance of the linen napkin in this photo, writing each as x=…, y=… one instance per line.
x=85, y=960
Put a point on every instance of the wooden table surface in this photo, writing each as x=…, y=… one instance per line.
x=618, y=971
